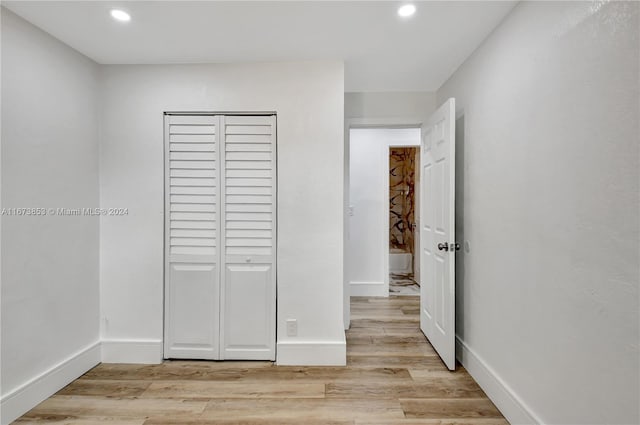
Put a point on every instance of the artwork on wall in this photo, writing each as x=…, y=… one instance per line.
x=402, y=197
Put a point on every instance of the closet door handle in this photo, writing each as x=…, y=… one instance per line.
x=443, y=246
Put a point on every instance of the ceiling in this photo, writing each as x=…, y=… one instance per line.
x=381, y=51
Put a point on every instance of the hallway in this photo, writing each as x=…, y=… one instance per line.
x=393, y=376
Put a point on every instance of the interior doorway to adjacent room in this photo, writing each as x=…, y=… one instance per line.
x=372, y=220
x=404, y=267
x=382, y=211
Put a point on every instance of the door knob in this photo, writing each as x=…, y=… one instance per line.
x=443, y=246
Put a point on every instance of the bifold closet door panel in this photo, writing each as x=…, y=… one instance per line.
x=191, y=237
x=248, y=290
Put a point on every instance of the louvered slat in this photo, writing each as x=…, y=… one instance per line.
x=193, y=183
x=249, y=166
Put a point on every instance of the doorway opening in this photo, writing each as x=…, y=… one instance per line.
x=434, y=203
x=403, y=238
x=382, y=208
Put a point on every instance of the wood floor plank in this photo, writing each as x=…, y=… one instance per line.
x=379, y=308
x=279, y=373
x=249, y=421
x=304, y=409
x=70, y=420
x=462, y=421
x=399, y=362
x=395, y=301
x=397, y=349
x=427, y=374
x=365, y=331
x=353, y=338
x=410, y=310
x=386, y=317
x=215, y=389
x=389, y=323
x=449, y=408
x=80, y=406
x=441, y=387
x=416, y=337
x=106, y=388
x=389, y=340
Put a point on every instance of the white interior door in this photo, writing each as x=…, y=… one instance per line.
x=248, y=291
x=416, y=219
x=437, y=232
x=191, y=234
x=220, y=237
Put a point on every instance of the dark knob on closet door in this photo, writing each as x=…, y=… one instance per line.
x=443, y=246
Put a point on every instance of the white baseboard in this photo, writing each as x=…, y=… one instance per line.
x=27, y=396
x=369, y=289
x=142, y=351
x=311, y=353
x=510, y=405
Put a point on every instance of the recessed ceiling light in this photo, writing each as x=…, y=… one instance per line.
x=120, y=15
x=406, y=10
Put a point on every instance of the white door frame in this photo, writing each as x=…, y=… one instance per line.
x=354, y=123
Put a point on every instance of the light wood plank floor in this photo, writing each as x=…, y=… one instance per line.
x=393, y=377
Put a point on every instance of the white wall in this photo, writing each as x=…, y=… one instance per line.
x=368, y=239
x=549, y=178
x=50, y=325
x=308, y=98
x=415, y=106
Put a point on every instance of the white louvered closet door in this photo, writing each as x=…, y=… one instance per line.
x=220, y=237
x=248, y=291
x=192, y=232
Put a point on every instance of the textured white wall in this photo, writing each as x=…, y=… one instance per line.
x=549, y=184
x=308, y=98
x=49, y=159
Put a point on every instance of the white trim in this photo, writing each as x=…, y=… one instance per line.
x=369, y=289
x=501, y=394
x=24, y=398
x=312, y=353
x=144, y=351
x=346, y=231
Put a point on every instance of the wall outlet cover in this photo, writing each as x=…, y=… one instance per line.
x=292, y=327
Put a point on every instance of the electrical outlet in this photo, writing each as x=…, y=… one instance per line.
x=292, y=327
